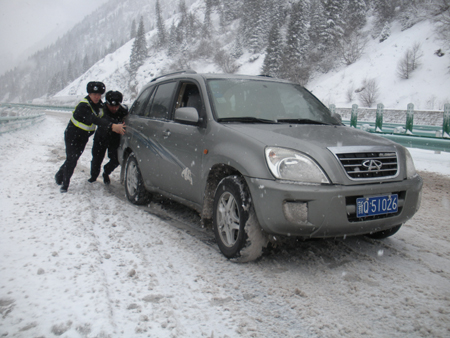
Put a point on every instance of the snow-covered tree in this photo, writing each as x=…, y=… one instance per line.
x=252, y=25
x=139, y=51
x=207, y=22
x=272, y=60
x=294, y=65
x=335, y=24
x=133, y=31
x=160, y=26
x=317, y=25
x=355, y=17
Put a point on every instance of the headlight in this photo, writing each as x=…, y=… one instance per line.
x=291, y=165
x=410, y=168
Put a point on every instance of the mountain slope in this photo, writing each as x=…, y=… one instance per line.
x=427, y=86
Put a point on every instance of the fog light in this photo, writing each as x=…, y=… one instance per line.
x=296, y=212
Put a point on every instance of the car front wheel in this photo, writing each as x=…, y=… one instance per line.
x=237, y=231
x=134, y=185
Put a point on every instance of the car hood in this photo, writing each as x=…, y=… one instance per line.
x=308, y=138
x=318, y=141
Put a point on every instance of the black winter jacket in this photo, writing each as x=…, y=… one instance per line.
x=84, y=114
x=103, y=131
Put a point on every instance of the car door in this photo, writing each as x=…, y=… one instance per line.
x=183, y=143
x=147, y=125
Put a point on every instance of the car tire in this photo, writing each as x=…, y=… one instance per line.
x=134, y=185
x=236, y=228
x=385, y=233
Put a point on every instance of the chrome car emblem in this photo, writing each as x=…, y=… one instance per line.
x=372, y=164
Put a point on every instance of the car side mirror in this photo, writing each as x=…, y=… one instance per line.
x=188, y=115
x=337, y=117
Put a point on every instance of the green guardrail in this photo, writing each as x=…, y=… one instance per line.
x=435, y=138
x=19, y=116
x=36, y=106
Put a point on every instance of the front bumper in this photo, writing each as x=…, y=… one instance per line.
x=320, y=211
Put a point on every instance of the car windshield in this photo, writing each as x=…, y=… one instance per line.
x=262, y=101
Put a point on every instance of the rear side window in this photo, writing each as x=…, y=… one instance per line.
x=160, y=105
x=141, y=102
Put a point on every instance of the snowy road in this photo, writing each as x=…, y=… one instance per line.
x=89, y=264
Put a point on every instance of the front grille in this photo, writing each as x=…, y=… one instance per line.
x=369, y=165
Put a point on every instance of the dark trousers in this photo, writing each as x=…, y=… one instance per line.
x=98, y=154
x=75, y=144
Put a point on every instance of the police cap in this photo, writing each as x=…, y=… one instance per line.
x=114, y=98
x=96, y=87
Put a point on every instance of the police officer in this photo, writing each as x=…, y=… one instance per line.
x=81, y=126
x=105, y=139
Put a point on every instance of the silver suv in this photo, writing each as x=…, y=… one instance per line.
x=261, y=157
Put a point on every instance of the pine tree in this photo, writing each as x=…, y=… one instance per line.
x=252, y=25
x=207, y=23
x=172, y=47
x=355, y=16
x=294, y=59
x=317, y=24
x=333, y=10
x=271, y=65
x=160, y=27
x=297, y=34
x=86, y=64
x=384, y=10
x=139, y=51
x=133, y=30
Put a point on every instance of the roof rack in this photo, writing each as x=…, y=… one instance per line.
x=187, y=71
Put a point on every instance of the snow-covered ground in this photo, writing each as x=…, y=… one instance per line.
x=90, y=264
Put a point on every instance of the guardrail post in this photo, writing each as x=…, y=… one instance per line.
x=446, y=124
x=379, y=117
x=409, y=118
x=332, y=109
x=354, y=117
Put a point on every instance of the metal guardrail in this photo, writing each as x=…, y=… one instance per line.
x=409, y=135
x=430, y=137
x=18, y=116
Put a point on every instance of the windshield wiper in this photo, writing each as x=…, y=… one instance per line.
x=246, y=119
x=303, y=121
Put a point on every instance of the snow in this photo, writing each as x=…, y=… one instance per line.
x=427, y=88
x=90, y=264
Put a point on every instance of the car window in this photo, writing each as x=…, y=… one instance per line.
x=160, y=103
x=139, y=105
x=189, y=96
x=267, y=100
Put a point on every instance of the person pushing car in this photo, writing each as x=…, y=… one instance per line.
x=87, y=114
x=105, y=139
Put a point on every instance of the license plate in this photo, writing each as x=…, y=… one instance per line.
x=376, y=205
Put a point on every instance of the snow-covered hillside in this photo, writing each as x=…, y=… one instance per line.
x=427, y=87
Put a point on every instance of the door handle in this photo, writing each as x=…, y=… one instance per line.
x=166, y=133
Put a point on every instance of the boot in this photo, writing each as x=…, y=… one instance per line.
x=106, y=179
x=58, y=179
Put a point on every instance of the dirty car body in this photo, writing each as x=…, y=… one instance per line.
x=262, y=157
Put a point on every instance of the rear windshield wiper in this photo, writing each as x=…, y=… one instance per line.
x=303, y=121
x=246, y=119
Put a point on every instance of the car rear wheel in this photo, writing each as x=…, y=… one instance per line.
x=385, y=233
x=237, y=231
x=134, y=185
